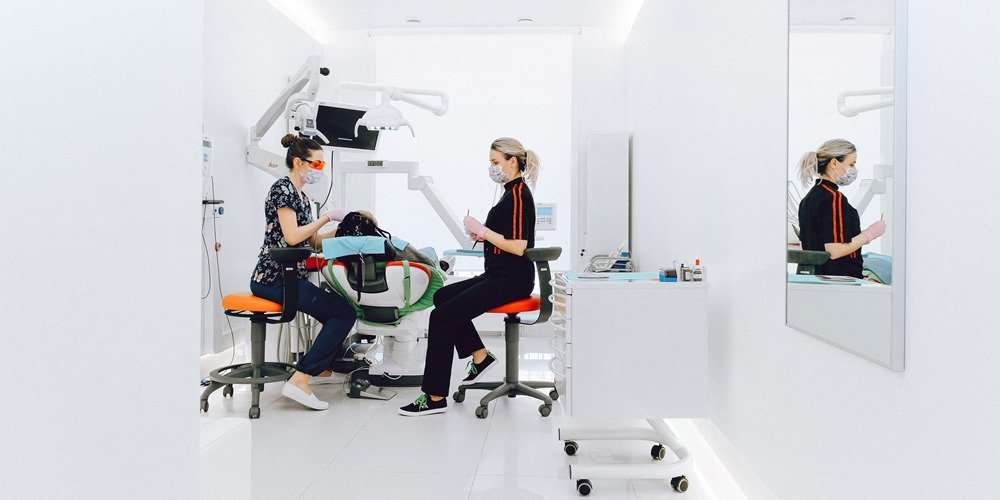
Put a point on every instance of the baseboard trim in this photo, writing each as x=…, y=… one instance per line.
x=735, y=464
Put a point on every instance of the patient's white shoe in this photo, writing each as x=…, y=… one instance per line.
x=308, y=400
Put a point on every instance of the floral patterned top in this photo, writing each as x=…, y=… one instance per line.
x=282, y=194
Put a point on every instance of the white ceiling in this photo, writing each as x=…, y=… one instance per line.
x=321, y=17
x=829, y=12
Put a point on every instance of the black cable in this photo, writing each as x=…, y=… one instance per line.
x=328, y=193
x=208, y=258
x=218, y=275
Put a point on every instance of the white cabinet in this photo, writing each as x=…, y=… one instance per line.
x=630, y=349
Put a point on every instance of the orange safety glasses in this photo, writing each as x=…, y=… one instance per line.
x=316, y=164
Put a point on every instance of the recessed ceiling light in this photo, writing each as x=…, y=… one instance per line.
x=413, y=21
x=848, y=19
x=525, y=20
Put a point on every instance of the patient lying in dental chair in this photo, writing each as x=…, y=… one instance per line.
x=363, y=223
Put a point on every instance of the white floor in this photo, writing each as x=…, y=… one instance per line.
x=363, y=448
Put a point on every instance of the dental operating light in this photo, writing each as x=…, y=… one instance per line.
x=385, y=116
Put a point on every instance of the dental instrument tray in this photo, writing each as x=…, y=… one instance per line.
x=610, y=264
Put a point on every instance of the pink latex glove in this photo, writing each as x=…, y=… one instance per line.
x=336, y=215
x=875, y=230
x=475, y=228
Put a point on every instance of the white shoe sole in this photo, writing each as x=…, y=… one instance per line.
x=422, y=413
x=308, y=400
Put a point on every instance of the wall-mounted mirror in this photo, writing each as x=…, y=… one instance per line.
x=846, y=166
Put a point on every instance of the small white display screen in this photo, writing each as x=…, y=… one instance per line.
x=543, y=211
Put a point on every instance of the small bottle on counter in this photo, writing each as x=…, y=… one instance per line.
x=696, y=273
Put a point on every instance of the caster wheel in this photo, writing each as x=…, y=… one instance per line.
x=554, y=394
x=227, y=391
x=658, y=452
x=482, y=411
x=545, y=409
x=584, y=487
x=570, y=447
x=459, y=396
x=511, y=394
x=254, y=412
x=204, y=406
x=680, y=483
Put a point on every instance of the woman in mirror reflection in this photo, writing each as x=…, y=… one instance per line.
x=827, y=221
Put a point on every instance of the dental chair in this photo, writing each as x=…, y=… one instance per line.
x=391, y=297
x=512, y=386
x=261, y=313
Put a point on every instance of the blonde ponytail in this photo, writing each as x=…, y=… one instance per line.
x=530, y=168
x=808, y=169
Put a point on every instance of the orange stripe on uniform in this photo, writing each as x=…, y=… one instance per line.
x=515, y=227
x=520, y=212
x=837, y=236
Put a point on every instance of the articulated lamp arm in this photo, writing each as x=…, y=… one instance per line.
x=426, y=187
x=850, y=111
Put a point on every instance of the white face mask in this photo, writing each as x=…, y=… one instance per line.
x=497, y=174
x=848, y=177
x=312, y=176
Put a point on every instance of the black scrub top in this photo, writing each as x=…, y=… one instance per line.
x=514, y=218
x=825, y=216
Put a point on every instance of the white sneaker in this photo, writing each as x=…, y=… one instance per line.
x=332, y=379
x=308, y=400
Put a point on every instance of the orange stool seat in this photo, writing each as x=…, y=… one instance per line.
x=315, y=263
x=246, y=301
x=526, y=304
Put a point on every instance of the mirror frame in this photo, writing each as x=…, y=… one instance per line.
x=898, y=313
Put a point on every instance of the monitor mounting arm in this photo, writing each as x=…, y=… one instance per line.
x=293, y=103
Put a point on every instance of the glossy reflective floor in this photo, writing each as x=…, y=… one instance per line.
x=363, y=449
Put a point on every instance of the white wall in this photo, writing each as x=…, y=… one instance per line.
x=100, y=143
x=811, y=419
x=251, y=50
x=514, y=85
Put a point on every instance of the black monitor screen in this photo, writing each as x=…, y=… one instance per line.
x=337, y=124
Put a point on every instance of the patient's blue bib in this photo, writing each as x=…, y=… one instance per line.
x=353, y=245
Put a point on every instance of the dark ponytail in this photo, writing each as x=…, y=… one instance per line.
x=298, y=147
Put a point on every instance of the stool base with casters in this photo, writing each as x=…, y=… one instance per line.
x=511, y=386
x=256, y=373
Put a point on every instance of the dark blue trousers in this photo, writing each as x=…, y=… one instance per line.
x=333, y=311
